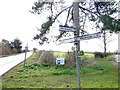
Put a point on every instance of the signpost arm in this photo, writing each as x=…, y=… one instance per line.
x=76, y=34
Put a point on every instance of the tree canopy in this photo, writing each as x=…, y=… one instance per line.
x=103, y=14
x=16, y=43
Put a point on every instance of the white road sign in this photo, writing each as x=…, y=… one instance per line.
x=70, y=40
x=85, y=37
x=67, y=29
x=89, y=36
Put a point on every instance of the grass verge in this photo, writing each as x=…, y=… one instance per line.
x=98, y=73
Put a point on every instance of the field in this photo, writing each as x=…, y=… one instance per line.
x=63, y=54
x=97, y=73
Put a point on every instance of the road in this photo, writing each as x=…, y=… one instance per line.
x=9, y=62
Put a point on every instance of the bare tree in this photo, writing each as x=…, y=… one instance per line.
x=105, y=40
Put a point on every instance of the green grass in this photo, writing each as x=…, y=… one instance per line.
x=100, y=73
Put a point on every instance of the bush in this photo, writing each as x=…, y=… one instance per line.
x=23, y=50
x=102, y=55
x=70, y=60
x=108, y=54
x=99, y=55
x=45, y=57
x=39, y=54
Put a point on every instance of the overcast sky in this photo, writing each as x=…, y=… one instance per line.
x=17, y=22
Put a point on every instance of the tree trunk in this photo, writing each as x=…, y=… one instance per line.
x=104, y=39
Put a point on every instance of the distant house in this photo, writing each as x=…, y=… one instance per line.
x=5, y=48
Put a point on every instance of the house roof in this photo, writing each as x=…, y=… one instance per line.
x=3, y=41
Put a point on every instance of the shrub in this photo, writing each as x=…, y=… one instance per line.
x=45, y=57
x=99, y=55
x=70, y=60
x=102, y=55
x=39, y=54
x=14, y=50
x=23, y=50
x=108, y=54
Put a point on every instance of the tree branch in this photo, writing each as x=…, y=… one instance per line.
x=61, y=12
x=87, y=10
x=110, y=41
x=68, y=16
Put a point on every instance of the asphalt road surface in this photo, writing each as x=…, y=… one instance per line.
x=7, y=63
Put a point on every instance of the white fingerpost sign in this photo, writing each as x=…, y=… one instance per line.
x=70, y=40
x=89, y=36
x=60, y=61
x=67, y=29
x=80, y=38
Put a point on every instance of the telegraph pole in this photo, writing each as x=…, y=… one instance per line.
x=76, y=34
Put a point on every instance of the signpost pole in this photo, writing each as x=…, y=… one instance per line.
x=77, y=38
x=76, y=34
x=78, y=69
x=26, y=48
x=25, y=57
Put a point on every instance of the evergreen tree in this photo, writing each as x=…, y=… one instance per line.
x=96, y=12
x=16, y=43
